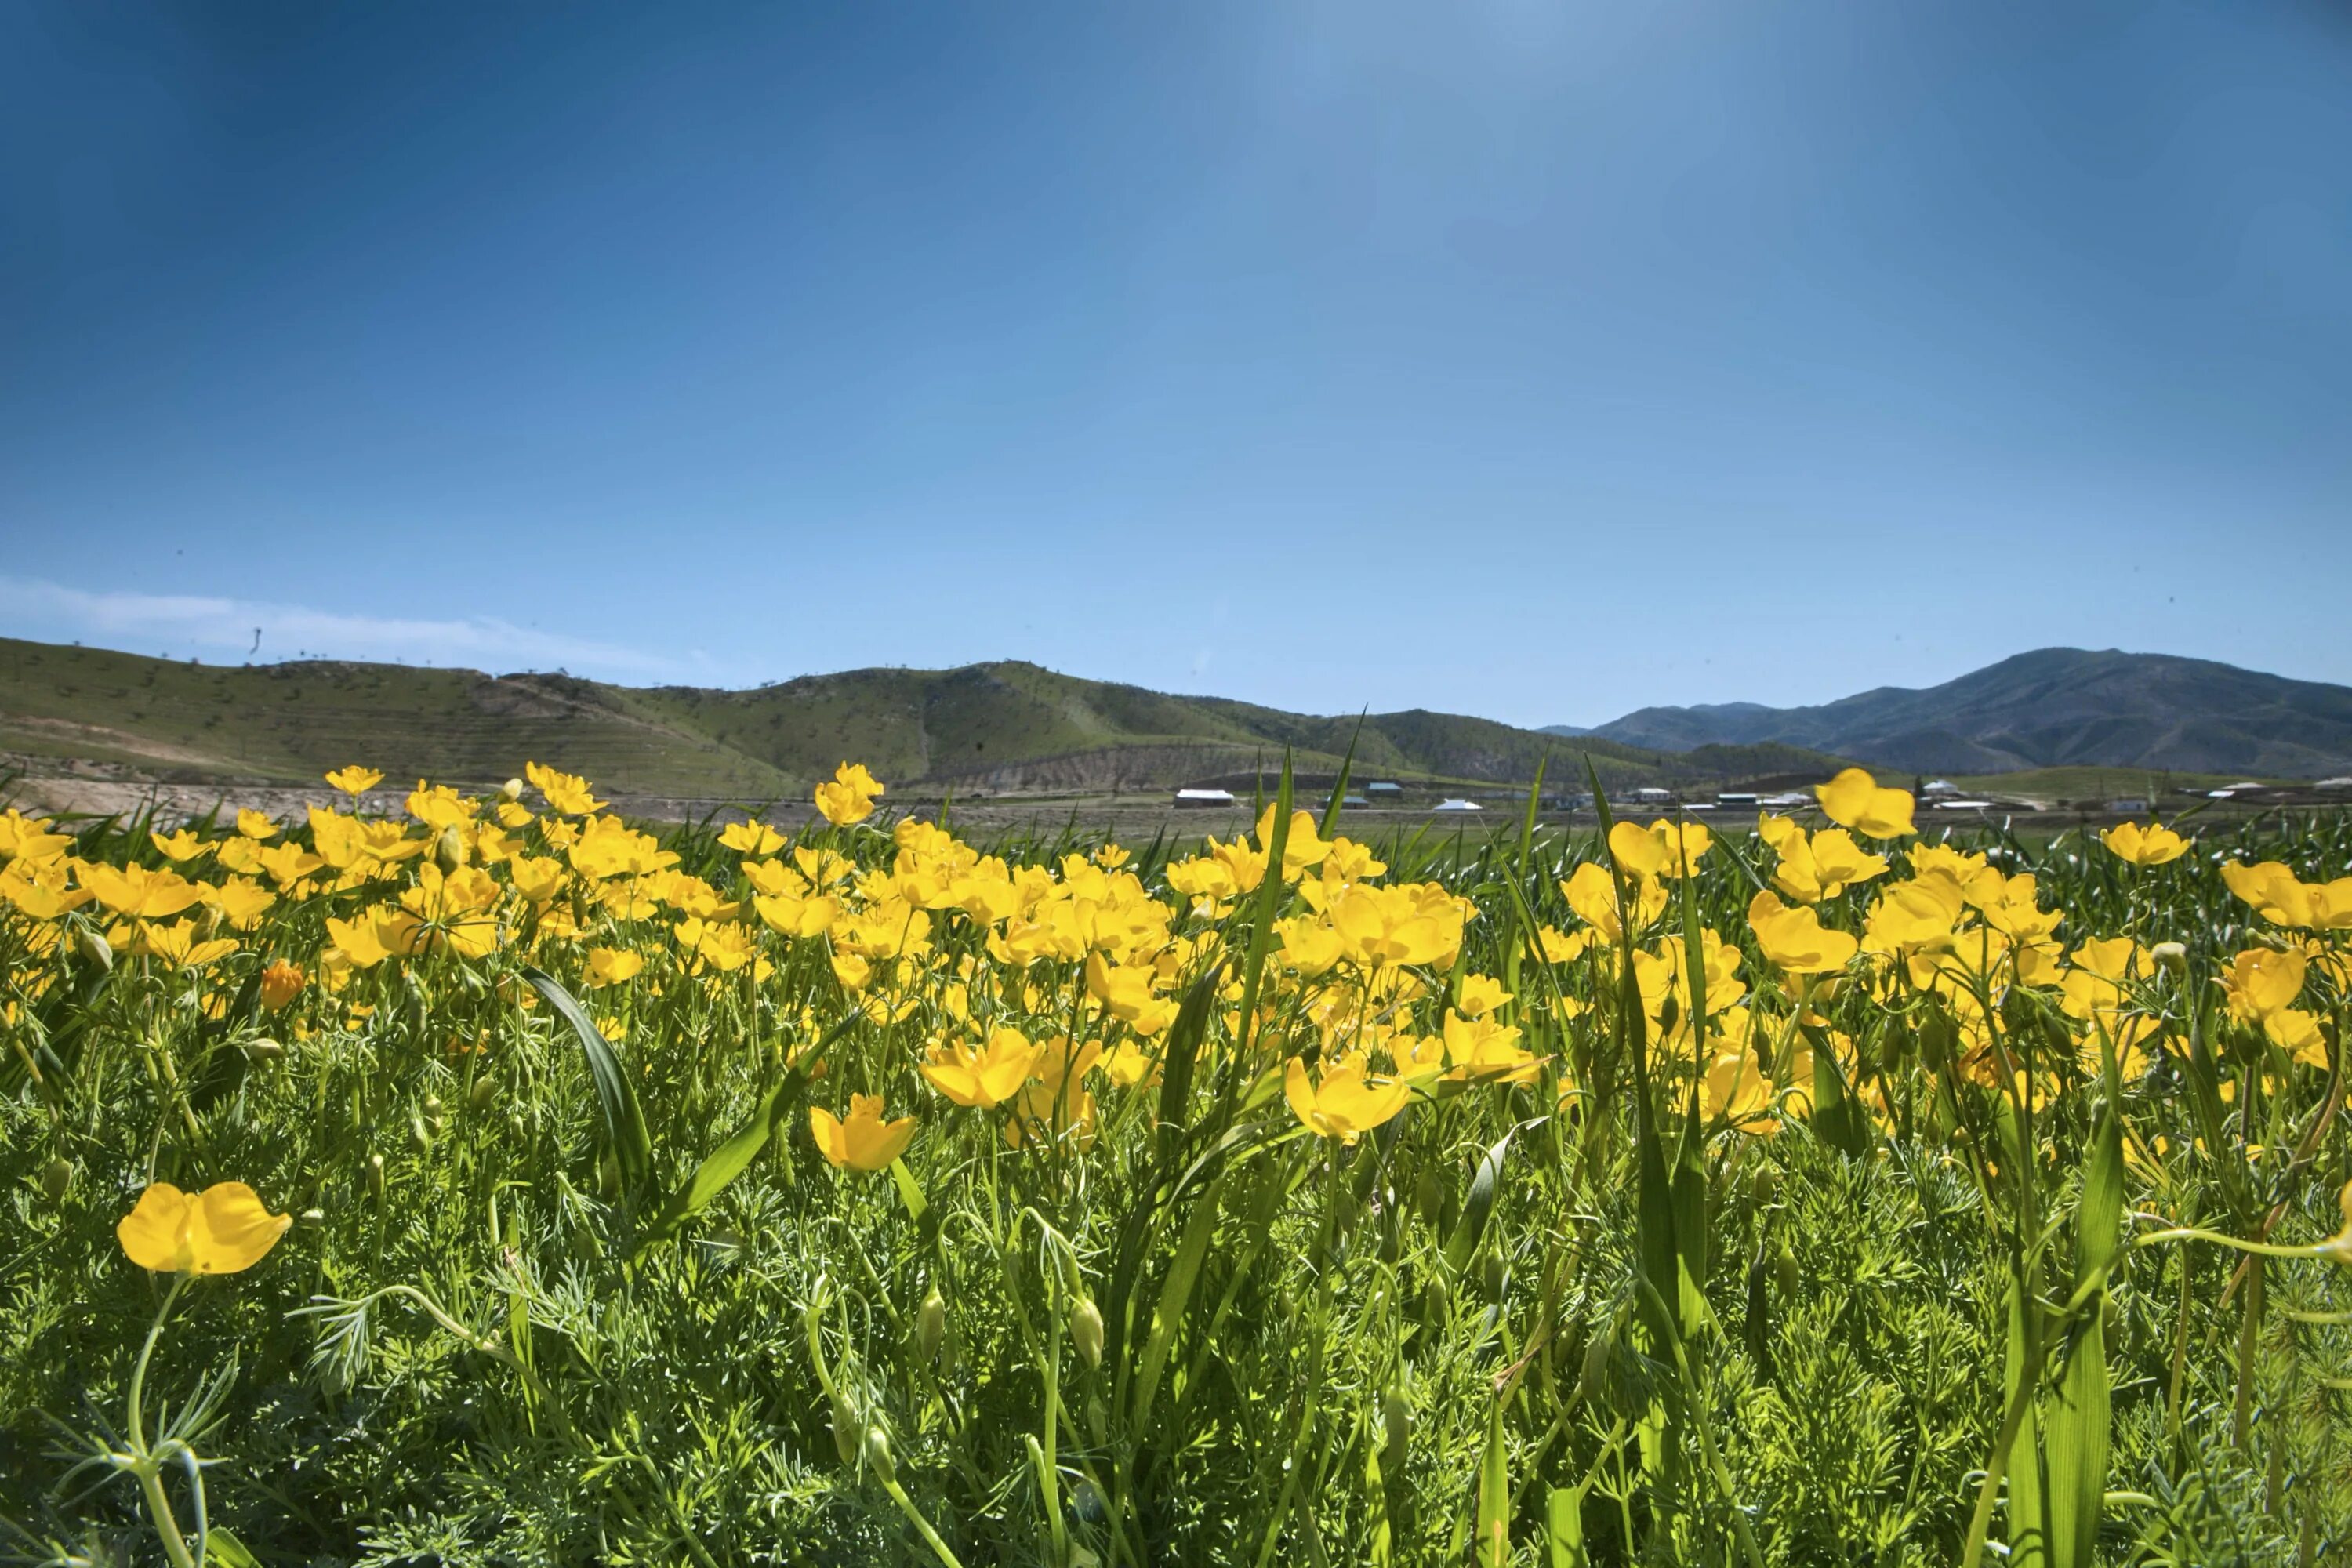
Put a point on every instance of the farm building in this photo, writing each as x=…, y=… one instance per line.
x=1204, y=798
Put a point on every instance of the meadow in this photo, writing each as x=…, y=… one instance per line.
x=499, y=1181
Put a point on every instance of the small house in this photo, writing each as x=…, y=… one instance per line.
x=1204, y=798
x=1385, y=792
x=1456, y=804
x=1738, y=800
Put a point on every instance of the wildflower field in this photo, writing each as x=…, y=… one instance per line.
x=503, y=1183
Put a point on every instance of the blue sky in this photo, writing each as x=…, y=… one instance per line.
x=1540, y=361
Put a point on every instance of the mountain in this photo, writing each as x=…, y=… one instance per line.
x=2055, y=707
x=1008, y=726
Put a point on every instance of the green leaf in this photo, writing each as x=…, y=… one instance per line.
x=1495, y=1495
x=2077, y=1422
x=1463, y=1244
x=1183, y=1049
x=722, y=1165
x=616, y=1098
x=1339, y=789
x=910, y=1190
x=1564, y=1526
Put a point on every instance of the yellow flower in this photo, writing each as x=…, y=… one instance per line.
x=1300, y=850
x=751, y=838
x=1795, y=941
x=565, y=793
x=255, y=826
x=223, y=1230
x=982, y=1080
x=136, y=891
x=1480, y=995
x=613, y=965
x=281, y=983
x=863, y=1141
x=354, y=779
x=176, y=944
x=1853, y=799
x=2273, y=890
x=181, y=847
x=29, y=838
x=1661, y=849
x=849, y=795
x=1592, y=892
x=2261, y=983
x=1345, y=1105
x=241, y=900
x=2149, y=846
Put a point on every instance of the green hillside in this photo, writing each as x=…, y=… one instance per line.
x=995, y=727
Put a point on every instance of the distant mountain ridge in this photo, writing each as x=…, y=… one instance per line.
x=2055, y=707
x=1005, y=727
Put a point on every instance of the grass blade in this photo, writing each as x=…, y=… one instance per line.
x=616, y=1098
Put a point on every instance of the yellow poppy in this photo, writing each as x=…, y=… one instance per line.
x=863, y=1142
x=223, y=1230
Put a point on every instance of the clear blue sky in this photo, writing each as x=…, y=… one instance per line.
x=1532, y=360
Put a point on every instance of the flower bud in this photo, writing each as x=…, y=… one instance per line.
x=878, y=1453
x=1592, y=1377
x=419, y=1134
x=374, y=1169
x=848, y=1431
x=93, y=948
x=512, y=791
x=57, y=1179
x=2171, y=955
x=485, y=1090
x=1086, y=1332
x=1396, y=1415
x=931, y=1323
x=449, y=849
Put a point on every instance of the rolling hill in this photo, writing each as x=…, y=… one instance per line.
x=2056, y=707
x=1009, y=727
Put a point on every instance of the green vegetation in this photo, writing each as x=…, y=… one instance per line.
x=1556, y=1199
x=1007, y=726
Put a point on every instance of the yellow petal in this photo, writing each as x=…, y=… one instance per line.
x=154, y=1234
x=232, y=1230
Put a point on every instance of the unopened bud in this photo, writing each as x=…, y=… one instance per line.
x=2171, y=955
x=93, y=948
x=374, y=1169
x=449, y=849
x=419, y=1134
x=57, y=1179
x=1086, y=1332
x=931, y=1323
x=878, y=1453
x=485, y=1090
x=848, y=1431
x=512, y=791
x=1594, y=1376
x=1396, y=1415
